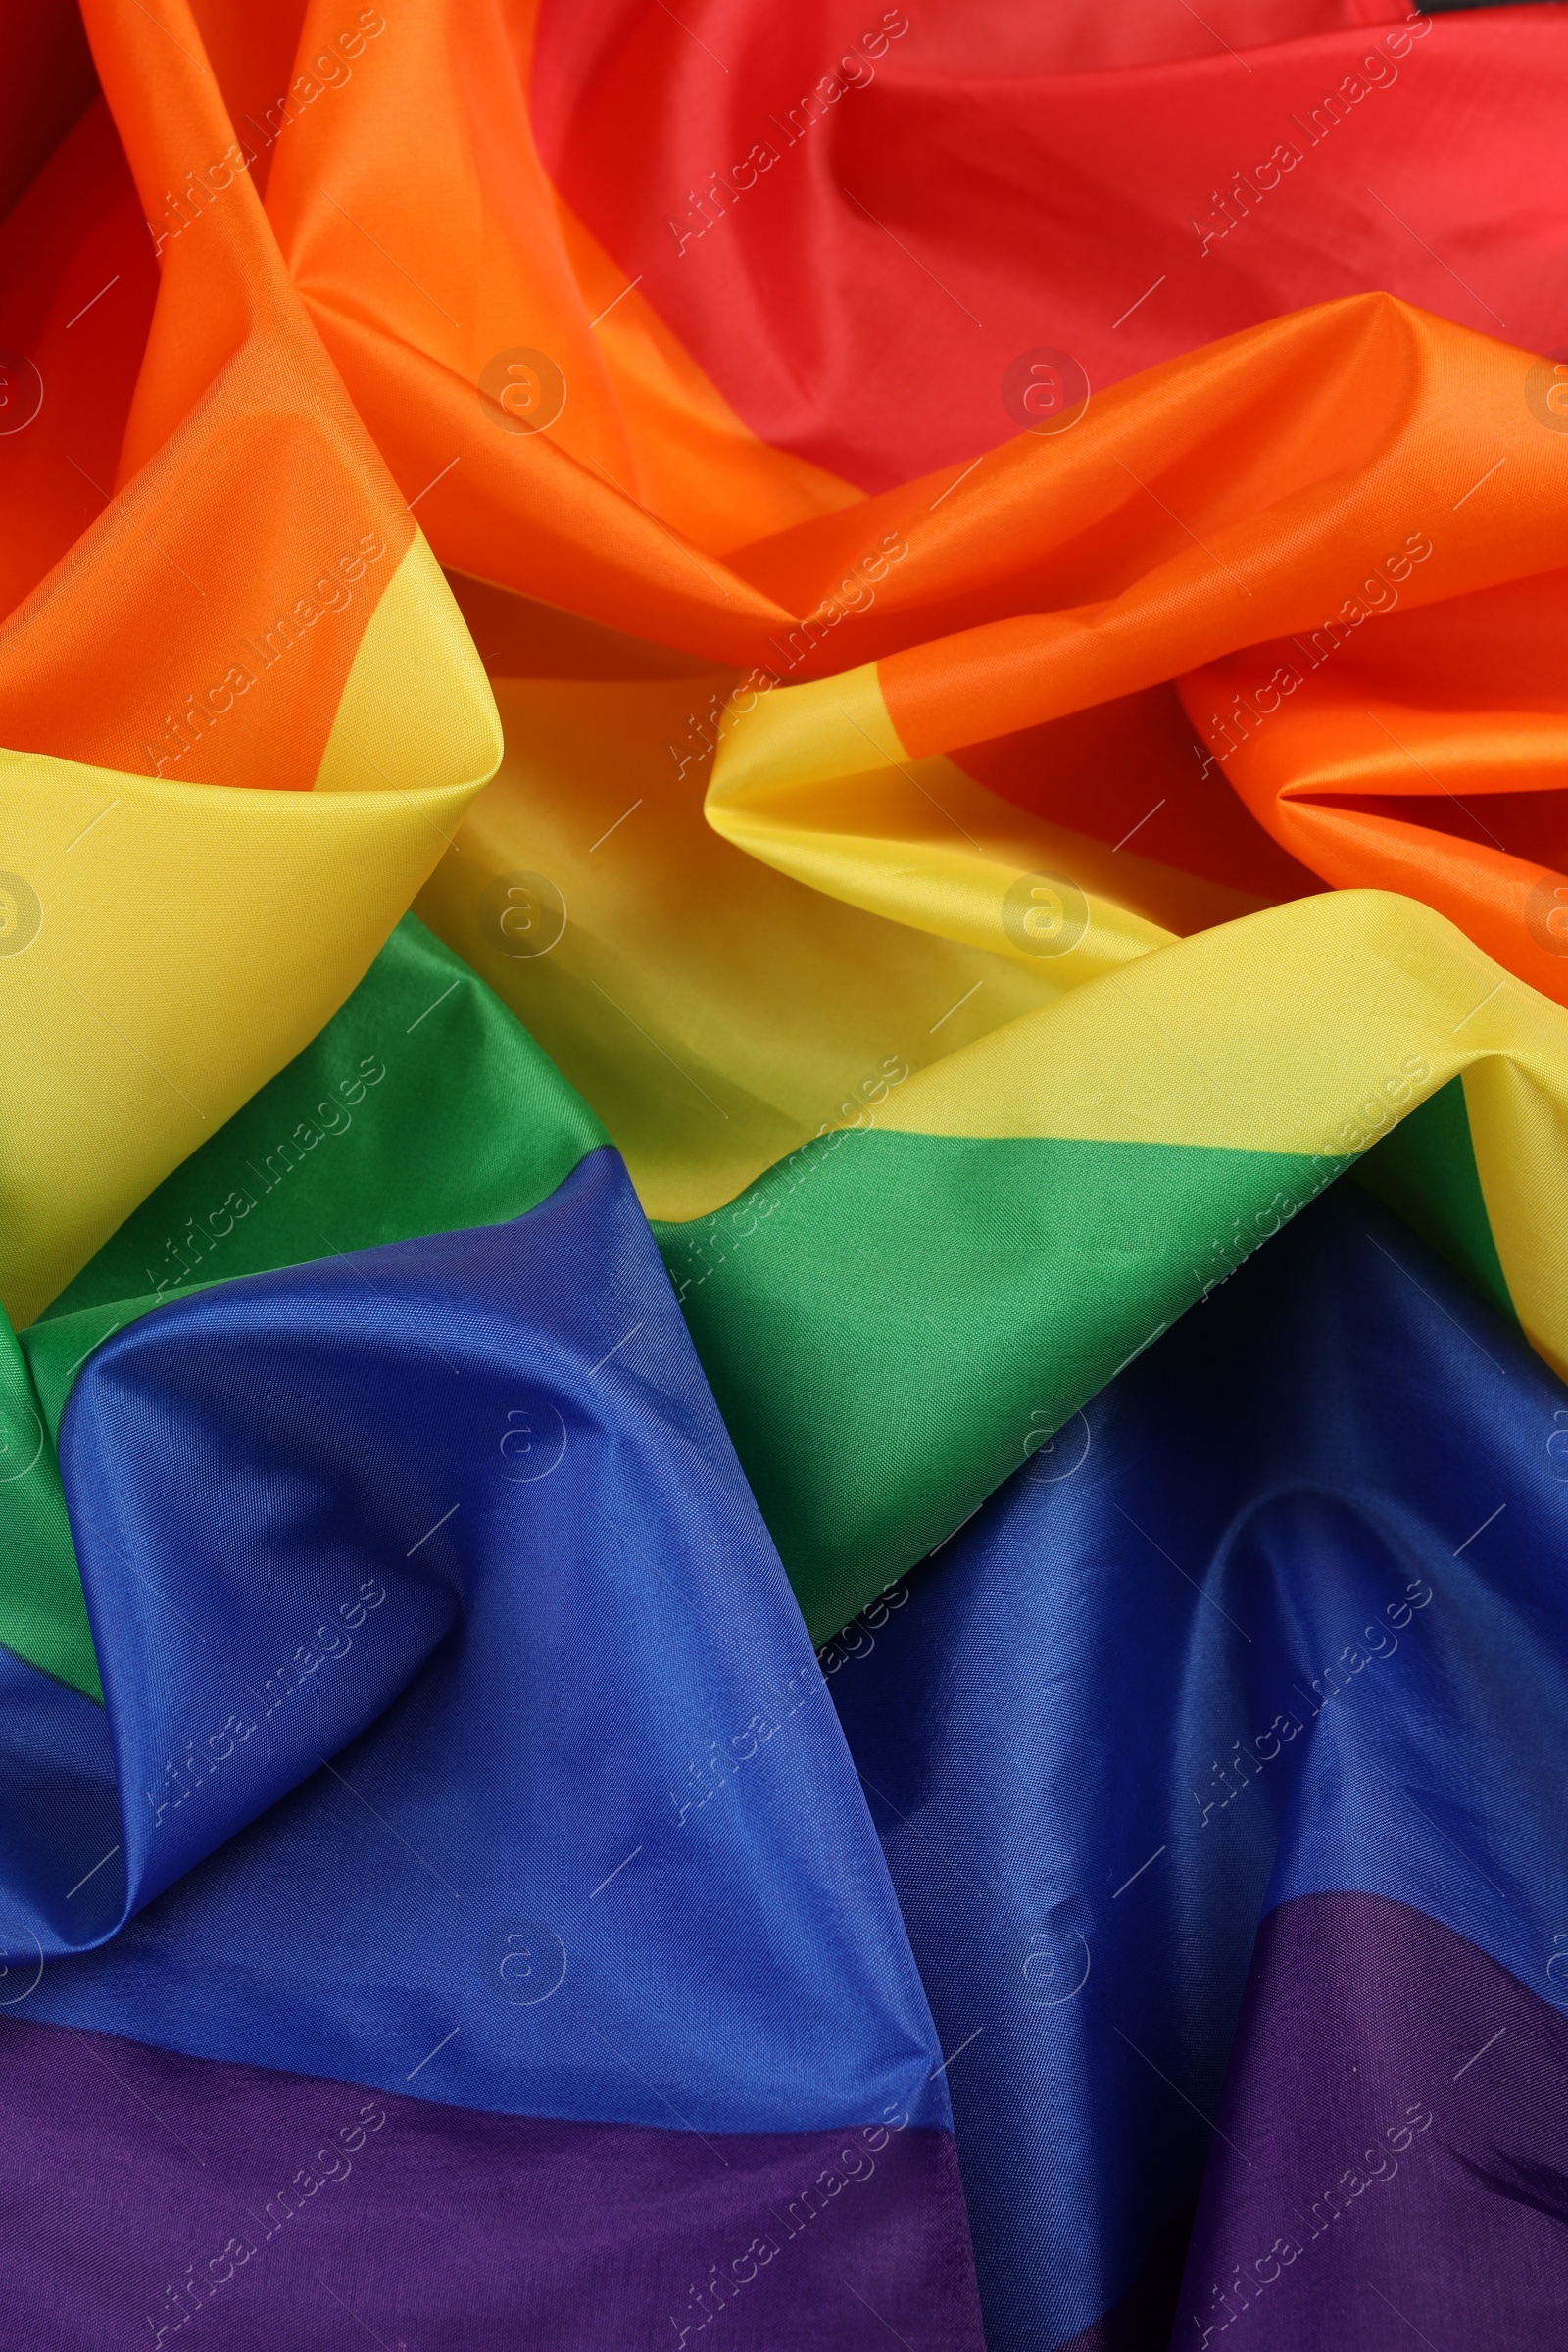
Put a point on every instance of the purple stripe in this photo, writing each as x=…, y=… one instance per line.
x=1390, y=2162
x=145, y=2191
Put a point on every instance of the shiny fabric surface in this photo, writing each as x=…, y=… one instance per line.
x=783, y=1174
x=1260, y=1627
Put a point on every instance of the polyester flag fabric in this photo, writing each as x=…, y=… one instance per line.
x=739, y=751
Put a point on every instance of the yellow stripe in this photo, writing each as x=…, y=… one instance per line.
x=807, y=734
x=714, y=1013
x=415, y=705
x=927, y=845
x=1311, y=1028
x=921, y=842
x=1271, y=1034
x=191, y=938
x=1519, y=1128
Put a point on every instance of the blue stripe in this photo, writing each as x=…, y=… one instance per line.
x=459, y=1516
x=1285, y=1615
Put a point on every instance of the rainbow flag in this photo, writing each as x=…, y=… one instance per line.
x=737, y=1606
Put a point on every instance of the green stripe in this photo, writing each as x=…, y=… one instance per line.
x=43, y=1617
x=1426, y=1172
x=889, y=1322
x=423, y=1107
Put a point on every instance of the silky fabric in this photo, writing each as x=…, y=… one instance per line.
x=736, y=753
x=324, y=2205
x=1432, y=2139
x=1266, y=1625
x=421, y=1106
x=498, y=1442
x=1053, y=1207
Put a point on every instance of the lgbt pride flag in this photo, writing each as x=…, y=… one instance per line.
x=783, y=1176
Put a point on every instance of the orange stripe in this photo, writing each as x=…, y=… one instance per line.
x=1225, y=498
x=249, y=492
